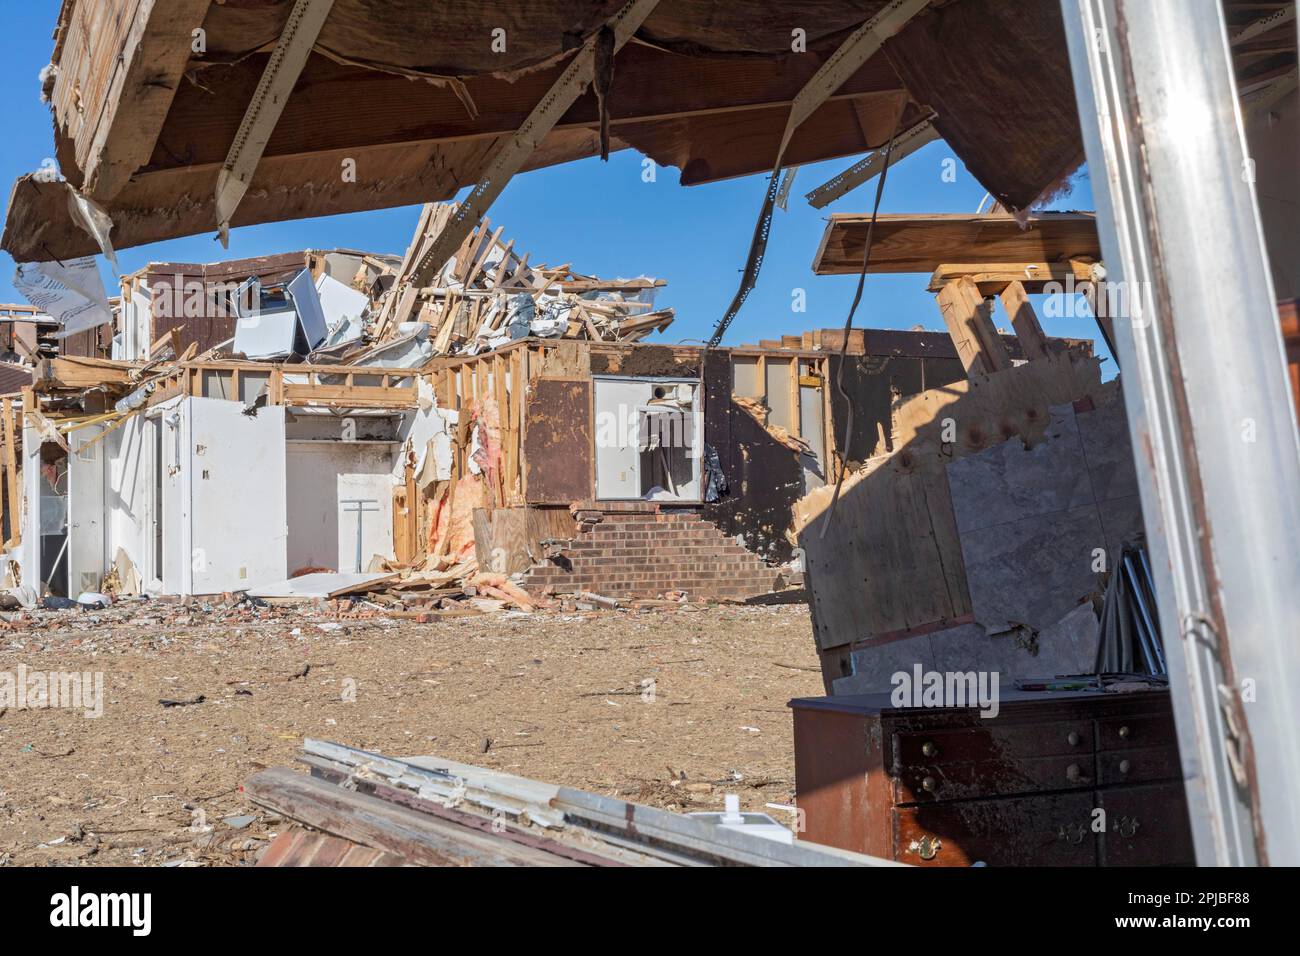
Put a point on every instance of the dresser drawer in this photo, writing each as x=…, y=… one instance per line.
x=1138, y=765
x=992, y=740
x=1144, y=730
x=961, y=780
x=1031, y=831
x=1146, y=826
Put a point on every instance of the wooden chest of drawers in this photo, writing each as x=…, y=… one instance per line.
x=1054, y=779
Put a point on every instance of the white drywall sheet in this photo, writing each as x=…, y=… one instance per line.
x=85, y=510
x=324, y=481
x=236, y=477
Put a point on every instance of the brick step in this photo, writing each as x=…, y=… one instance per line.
x=636, y=552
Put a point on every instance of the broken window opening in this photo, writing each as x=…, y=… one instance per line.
x=648, y=439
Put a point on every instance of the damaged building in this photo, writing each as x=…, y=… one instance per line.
x=461, y=423
x=251, y=422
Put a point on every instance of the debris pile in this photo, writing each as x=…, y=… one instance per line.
x=487, y=295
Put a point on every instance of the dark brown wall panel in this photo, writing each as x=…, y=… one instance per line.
x=558, y=441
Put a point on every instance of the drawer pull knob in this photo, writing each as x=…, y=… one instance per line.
x=929, y=784
x=1125, y=733
x=1073, y=773
x=927, y=848
x=1072, y=833
x=1073, y=739
x=1124, y=766
x=929, y=749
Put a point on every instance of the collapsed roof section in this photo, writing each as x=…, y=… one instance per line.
x=419, y=99
x=412, y=102
x=346, y=306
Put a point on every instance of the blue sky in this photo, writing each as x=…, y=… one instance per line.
x=601, y=217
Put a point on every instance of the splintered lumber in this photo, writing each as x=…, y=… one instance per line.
x=12, y=485
x=78, y=373
x=979, y=347
x=488, y=294
x=1025, y=321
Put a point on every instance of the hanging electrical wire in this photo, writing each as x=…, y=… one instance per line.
x=848, y=325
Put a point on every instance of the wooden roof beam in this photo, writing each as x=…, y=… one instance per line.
x=925, y=242
x=116, y=135
x=1025, y=321
x=993, y=277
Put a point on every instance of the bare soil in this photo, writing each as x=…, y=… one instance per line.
x=672, y=708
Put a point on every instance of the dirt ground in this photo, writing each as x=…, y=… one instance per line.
x=672, y=708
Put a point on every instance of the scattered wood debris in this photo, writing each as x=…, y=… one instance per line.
x=488, y=295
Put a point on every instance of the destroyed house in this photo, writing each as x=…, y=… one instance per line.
x=342, y=413
x=630, y=470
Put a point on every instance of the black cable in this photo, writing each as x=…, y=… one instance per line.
x=848, y=325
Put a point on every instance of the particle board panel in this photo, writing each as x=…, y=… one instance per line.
x=890, y=560
x=988, y=409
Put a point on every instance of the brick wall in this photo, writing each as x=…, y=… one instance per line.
x=636, y=550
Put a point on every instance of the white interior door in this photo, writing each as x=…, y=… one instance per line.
x=617, y=456
x=85, y=510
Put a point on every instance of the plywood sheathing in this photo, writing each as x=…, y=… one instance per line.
x=1031, y=524
x=890, y=563
x=987, y=101
x=502, y=543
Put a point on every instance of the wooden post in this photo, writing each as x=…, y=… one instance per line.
x=978, y=344
x=11, y=476
x=1025, y=321
x=1099, y=301
x=796, y=428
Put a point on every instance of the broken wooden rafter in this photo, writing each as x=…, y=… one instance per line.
x=72, y=372
x=472, y=295
x=979, y=346
x=152, y=61
x=263, y=112
x=1025, y=321
x=514, y=153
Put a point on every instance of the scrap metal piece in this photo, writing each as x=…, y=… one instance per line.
x=868, y=168
x=1220, y=511
x=512, y=155
x=282, y=71
x=861, y=46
